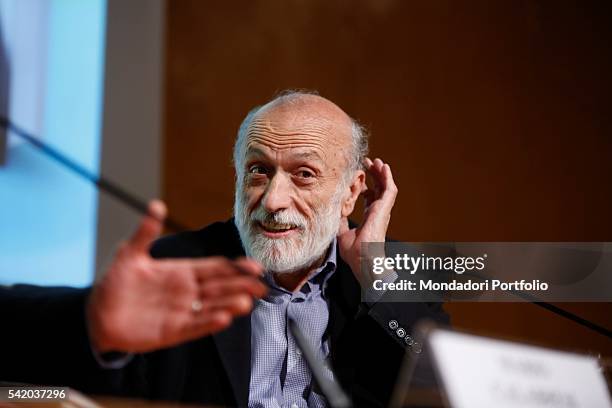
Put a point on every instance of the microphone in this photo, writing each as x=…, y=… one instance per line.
x=331, y=390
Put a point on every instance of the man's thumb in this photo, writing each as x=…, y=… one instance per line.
x=150, y=226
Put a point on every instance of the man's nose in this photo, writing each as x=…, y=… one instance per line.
x=278, y=194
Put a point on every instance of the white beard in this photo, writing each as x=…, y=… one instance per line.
x=298, y=251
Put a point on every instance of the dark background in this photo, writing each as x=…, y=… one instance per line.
x=494, y=115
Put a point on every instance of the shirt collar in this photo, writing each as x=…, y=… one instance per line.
x=327, y=268
x=318, y=280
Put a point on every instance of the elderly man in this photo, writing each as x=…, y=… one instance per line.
x=300, y=168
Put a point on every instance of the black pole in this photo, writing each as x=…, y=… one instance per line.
x=101, y=183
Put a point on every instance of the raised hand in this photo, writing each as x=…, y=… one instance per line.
x=142, y=304
x=379, y=201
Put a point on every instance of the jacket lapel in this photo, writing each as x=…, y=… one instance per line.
x=344, y=296
x=234, y=346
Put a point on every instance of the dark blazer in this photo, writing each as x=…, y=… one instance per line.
x=48, y=341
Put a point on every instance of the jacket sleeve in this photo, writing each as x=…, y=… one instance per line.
x=399, y=319
x=45, y=340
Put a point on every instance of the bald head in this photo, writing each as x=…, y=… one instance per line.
x=297, y=110
x=308, y=119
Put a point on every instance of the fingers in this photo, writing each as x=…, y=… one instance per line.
x=379, y=201
x=205, y=324
x=390, y=188
x=235, y=305
x=211, y=267
x=249, y=266
x=212, y=292
x=231, y=286
x=215, y=278
x=150, y=227
x=216, y=315
x=384, y=185
x=375, y=169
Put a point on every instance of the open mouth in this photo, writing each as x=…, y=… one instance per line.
x=275, y=229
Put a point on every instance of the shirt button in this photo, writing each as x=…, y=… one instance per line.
x=416, y=347
x=298, y=352
x=400, y=332
x=393, y=324
x=409, y=340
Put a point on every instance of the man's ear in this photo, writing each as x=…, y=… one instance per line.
x=355, y=188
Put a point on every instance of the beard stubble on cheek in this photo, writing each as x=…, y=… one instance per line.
x=297, y=251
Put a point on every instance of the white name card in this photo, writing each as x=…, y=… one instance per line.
x=480, y=372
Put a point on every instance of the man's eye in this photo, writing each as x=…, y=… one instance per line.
x=305, y=174
x=257, y=170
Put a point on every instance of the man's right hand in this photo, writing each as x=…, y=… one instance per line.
x=143, y=304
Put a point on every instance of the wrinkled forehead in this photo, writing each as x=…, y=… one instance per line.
x=312, y=125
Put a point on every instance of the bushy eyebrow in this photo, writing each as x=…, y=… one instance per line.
x=255, y=151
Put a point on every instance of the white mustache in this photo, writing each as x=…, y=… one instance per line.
x=281, y=217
